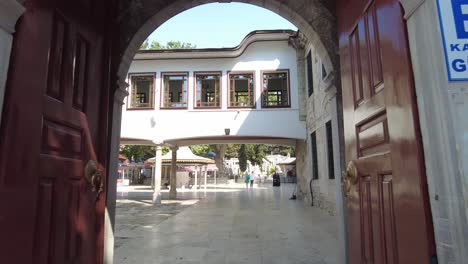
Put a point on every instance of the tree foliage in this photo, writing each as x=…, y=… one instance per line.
x=155, y=45
x=256, y=154
x=232, y=150
x=242, y=158
x=280, y=150
x=138, y=153
x=203, y=150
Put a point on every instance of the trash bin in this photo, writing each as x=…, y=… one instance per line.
x=276, y=180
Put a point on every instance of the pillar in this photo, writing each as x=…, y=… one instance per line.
x=196, y=178
x=215, y=177
x=165, y=172
x=300, y=43
x=157, y=176
x=109, y=217
x=201, y=173
x=173, y=191
x=205, y=172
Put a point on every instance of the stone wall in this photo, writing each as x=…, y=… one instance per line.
x=320, y=109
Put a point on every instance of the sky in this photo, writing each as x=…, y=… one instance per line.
x=218, y=25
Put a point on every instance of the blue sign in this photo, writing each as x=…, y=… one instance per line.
x=461, y=17
x=453, y=17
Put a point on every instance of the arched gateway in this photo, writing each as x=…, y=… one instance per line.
x=61, y=119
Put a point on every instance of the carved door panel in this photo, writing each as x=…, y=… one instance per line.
x=55, y=121
x=389, y=220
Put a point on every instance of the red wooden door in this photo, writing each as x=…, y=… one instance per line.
x=54, y=122
x=389, y=220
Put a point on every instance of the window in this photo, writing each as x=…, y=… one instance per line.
x=241, y=90
x=310, y=73
x=331, y=164
x=174, y=90
x=207, y=90
x=275, y=89
x=315, y=171
x=141, y=91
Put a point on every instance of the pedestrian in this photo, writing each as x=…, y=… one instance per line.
x=253, y=176
x=247, y=180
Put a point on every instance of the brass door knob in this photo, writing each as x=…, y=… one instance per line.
x=349, y=178
x=94, y=176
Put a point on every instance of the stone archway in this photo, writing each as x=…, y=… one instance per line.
x=136, y=17
x=136, y=20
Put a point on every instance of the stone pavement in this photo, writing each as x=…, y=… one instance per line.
x=229, y=225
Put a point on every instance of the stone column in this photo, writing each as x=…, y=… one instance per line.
x=173, y=191
x=201, y=173
x=196, y=178
x=205, y=172
x=109, y=218
x=300, y=42
x=157, y=176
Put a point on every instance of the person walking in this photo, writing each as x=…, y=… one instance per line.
x=253, y=176
x=247, y=180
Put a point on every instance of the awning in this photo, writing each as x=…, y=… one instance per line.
x=184, y=156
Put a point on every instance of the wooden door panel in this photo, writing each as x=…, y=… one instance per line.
x=67, y=143
x=53, y=124
x=372, y=135
x=388, y=213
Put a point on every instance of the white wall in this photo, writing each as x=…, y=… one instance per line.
x=443, y=111
x=159, y=125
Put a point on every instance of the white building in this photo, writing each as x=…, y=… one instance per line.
x=200, y=96
x=253, y=93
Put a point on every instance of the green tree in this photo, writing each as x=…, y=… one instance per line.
x=256, y=154
x=232, y=150
x=202, y=150
x=242, y=158
x=138, y=153
x=179, y=45
x=155, y=45
x=280, y=150
x=219, y=150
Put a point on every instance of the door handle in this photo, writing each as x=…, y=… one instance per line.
x=94, y=176
x=349, y=178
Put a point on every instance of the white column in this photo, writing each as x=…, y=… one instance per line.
x=166, y=168
x=157, y=176
x=109, y=217
x=201, y=173
x=10, y=11
x=205, y=172
x=173, y=191
x=196, y=178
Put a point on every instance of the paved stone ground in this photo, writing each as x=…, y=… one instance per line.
x=229, y=225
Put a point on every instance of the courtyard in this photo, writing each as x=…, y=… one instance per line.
x=224, y=224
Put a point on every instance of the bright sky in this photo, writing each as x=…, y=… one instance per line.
x=218, y=25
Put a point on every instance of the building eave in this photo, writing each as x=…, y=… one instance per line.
x=255, y=36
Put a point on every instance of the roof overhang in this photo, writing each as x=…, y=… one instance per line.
x=255, y=36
